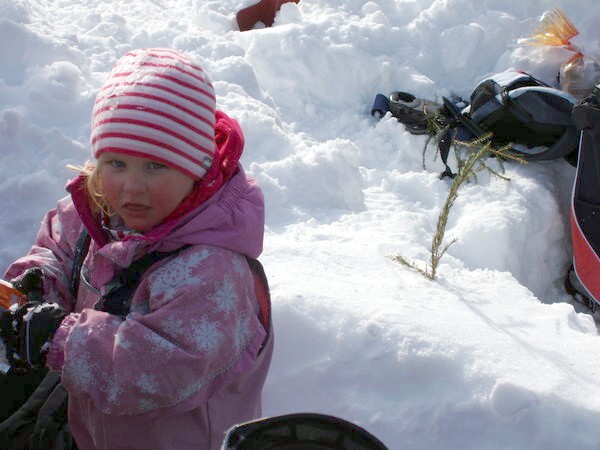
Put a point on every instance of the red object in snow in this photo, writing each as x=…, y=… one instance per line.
x=263, y=11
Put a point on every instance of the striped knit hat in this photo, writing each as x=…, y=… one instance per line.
x=157, y=104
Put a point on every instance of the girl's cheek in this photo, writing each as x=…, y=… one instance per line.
x=109, y=187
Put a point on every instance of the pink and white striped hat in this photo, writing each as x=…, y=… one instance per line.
x=157, y=104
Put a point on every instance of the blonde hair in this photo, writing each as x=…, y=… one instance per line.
x=93, y=187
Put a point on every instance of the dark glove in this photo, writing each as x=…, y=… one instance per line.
x=30, y=283
x=17, y=429
x=27, y=332
x=51, y=424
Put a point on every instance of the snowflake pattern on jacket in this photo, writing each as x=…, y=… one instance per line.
x=170, y=277
x=201, y=315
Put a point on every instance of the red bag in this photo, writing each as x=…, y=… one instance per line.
x=263, y=11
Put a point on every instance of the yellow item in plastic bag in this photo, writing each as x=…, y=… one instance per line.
x=556, y=30
x=580, y=73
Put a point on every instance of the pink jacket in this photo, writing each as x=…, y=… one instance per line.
x=190, y=359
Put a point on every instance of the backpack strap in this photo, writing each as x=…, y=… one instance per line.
x=453, y=119
x=117, y=299
x=564, y=146
x=261, y=288
x=81, y=249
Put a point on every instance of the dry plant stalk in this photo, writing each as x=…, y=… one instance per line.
x=470, y=167
x=555, y=30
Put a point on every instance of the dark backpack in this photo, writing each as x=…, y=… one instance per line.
x=524, y=112
x=583, y=279
x=515, y=108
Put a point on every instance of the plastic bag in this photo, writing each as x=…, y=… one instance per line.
x=579, y=75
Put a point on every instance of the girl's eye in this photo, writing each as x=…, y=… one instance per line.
x=155, y=165
x=115, y=163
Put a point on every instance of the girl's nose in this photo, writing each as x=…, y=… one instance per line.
x=134, y=182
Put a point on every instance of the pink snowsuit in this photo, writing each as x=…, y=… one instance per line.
x=191, y=357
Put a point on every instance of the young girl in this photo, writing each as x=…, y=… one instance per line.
x=190, y=356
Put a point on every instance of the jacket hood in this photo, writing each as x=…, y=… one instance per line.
x=233, y=218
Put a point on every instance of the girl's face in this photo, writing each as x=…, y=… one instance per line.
x=141, y=191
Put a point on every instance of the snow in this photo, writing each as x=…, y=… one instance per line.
x=490, y=355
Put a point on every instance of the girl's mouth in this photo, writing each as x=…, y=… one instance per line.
x=135, y=208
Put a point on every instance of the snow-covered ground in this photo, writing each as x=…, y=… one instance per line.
x=492, y=355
